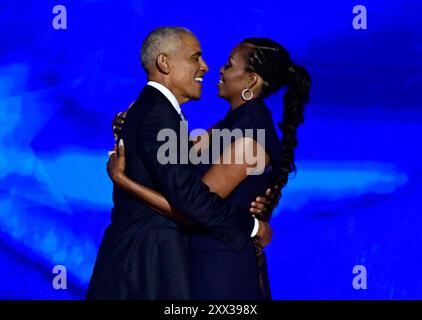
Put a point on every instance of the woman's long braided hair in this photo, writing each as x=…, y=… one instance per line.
x=272, y=62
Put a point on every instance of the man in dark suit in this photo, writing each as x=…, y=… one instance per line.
x=143, y=255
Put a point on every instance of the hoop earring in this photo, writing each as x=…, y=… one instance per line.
x=244, y=97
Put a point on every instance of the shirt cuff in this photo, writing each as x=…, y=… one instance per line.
x=255, y=228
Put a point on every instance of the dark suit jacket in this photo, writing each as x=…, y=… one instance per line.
x=143, y=254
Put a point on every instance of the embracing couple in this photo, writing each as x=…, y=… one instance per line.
x=196, y=231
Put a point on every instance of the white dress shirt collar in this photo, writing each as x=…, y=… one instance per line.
x=169, y=95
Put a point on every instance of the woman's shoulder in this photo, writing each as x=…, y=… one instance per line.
x=260, y=117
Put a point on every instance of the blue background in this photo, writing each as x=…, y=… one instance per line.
x=356, y=199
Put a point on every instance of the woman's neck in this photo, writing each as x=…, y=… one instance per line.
x=236, y=104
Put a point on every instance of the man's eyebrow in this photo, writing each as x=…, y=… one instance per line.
x=197, y=54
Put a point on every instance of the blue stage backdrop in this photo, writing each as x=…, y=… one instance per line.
x=354, y=207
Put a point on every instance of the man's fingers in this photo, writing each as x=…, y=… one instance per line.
x=269, y=193
x=265, y=201
x=259, y=206
x=255, y=211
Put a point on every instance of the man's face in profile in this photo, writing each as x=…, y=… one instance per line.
x=187, y=69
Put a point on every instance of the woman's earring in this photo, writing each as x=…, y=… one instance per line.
x=247, y=94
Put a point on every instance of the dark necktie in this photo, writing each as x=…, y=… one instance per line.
x=182, y=115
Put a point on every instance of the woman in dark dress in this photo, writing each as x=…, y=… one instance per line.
x=256, y=68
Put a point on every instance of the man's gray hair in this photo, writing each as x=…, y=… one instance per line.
x=161, y=40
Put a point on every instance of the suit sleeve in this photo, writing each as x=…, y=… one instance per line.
x=183, y=188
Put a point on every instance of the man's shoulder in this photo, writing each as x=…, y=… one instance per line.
x=152, y=109
x=151, y=102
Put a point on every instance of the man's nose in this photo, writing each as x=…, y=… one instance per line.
x=204, y=66
x=221, y=70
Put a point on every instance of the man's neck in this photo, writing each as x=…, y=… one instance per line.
x=167, y=93
x=163, y=81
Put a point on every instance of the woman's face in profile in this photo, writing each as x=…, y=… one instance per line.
x=233, y=77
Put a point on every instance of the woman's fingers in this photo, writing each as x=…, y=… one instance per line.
x=121, y=116
x=111, y=160
x=121, y=148
x=117, y=123
x=116, y=162
x=122, y=159
x=110, y=163
x=113, y=152
x=119, y=119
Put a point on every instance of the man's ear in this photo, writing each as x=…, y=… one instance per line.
x=163, y=64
